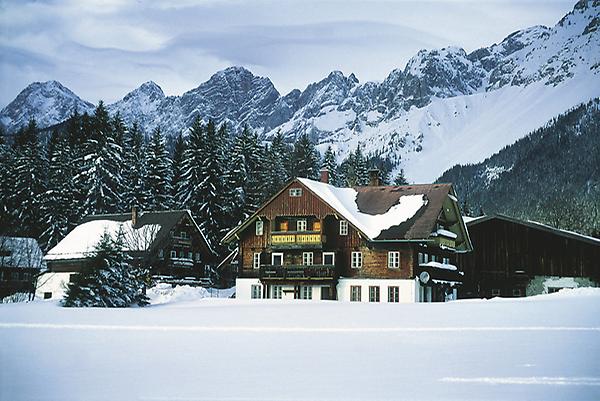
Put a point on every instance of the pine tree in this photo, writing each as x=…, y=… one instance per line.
x=30, y=180
x=177, y=170
x=158, y=177
x=194, y=157
x=400, y=179
x=354, y=169
x=305, y=158
x=330, y=163
x=100, y=175
x=58, y=209
x=7, y=185
x=277, y=173
x=134, y=169
x=109, y=280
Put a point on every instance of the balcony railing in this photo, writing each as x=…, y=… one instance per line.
x=297, y=239
x=291, y=272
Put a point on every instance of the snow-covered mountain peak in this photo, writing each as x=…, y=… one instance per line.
x=148, y=90
x=48, y=102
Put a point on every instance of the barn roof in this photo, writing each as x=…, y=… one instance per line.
x=151, y=228
x=535, y=225
x=380, y=213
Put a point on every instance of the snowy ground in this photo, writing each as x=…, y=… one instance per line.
x=541, y=348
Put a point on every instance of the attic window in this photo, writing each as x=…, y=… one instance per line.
x=295, y=192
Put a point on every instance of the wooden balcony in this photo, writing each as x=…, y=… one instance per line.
x=295, y=272
x=297, y=239
x=181, y=262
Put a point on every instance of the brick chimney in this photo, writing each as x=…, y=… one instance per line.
x=374, y=180
x=134, y=216
x=325, y=175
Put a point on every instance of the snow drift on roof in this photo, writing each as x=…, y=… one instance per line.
x=80, y=242
x=343, y=200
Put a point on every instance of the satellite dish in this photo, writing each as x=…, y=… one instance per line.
x=424, y=277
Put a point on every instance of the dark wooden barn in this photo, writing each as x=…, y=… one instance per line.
x=513, y=258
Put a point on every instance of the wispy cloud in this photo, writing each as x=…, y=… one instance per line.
x=103, y=48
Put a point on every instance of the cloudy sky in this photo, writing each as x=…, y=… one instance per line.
x=102, y=49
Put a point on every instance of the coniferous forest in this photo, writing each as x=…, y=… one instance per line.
x=551, y=176
x=96, y=164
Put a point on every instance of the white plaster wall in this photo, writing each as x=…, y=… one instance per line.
x=408, y=289
x=243, y=287
x=56, y=283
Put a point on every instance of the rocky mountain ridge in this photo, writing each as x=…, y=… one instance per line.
x=396, y=117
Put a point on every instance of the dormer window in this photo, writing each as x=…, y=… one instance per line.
x=295, y=192
x=259, y=227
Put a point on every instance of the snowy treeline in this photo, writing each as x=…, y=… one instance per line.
x=95, y=164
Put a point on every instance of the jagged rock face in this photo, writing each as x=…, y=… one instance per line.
x=48, y=102
x=392, y=118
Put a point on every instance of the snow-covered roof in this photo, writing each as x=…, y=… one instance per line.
x=81, y=242
x=20, y=252
x=438, y=265
x=344, y=200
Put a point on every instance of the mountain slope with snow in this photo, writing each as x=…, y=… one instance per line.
x=445, y=107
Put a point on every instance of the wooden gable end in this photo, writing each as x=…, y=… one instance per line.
x=289, y=203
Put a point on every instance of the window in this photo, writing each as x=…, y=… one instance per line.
x=283, y=226
x=316, y=226
x=295, y=192
x=198, y=257
x=307, y=258
x=425, y=258
x=72, y=277
x=446, y=261
x=276, y=292
x=325, y=293
x=191, y=255
x=357, y=260
x=420, y=258
x=181, y=254
x=27, y=276
x=255, y=291
x=343, y=227
x=161, y=253
x=14, y=276
x=173, y=254
x=516, y=292
x=259, y=227
x=433, y=258
x=47, y=295
x=394, y=260
x=277, y=259
x=329, y=258
x=373, y=293
x=183, y=235
x=355, y=293
x=256, y=260
x=394, y=294
x=306, y=292
x=495, y=292
x=301, y=225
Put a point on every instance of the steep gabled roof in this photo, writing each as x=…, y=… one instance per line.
x=381, y=213
x=537, y=226
x=152, y=228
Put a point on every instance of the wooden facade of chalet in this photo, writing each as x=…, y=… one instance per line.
x=20, y=263
x=299, y=238
x=177, y=252
x=512, y=257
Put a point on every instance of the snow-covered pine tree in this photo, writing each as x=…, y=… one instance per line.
x=194, y=158
x=158, y=176
x=30, y=180
x=276, y=171
x=101, y=162
x=305, y=158
x=109, y=279
x=210, y=190
x=237, y=178
x=59, y=210
x=330, y=163
x=134, y=169
x=362, y=172
x=177, y=170
x=7, y=182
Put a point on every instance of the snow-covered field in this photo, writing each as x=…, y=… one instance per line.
x=540, y=348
